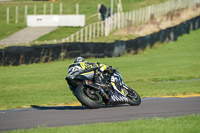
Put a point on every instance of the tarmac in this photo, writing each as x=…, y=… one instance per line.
x=27, y=35
x=56, y=116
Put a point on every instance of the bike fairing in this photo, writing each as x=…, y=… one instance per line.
x=120, y=92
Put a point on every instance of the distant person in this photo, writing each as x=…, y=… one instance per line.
x=103, y=11
x=109, y=12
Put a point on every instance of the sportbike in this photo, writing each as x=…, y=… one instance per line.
x=96, y=89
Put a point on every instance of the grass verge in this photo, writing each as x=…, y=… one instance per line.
x=183, y=124
x=147, y=73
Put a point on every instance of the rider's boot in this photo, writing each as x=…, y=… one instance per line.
x=104, y=86
x=104, y=94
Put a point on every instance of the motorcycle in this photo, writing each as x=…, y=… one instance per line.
x=95, y=89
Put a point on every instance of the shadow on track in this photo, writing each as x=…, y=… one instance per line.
x=70, y=107
x=58, y=107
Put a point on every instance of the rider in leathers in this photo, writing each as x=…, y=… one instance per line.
x=80, y=66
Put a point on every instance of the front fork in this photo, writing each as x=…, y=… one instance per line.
x=123, y=91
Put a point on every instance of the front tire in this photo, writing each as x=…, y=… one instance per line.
x=134, y=98
x=91, y=101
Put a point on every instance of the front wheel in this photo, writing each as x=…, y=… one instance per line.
x=90, y=98
x=133, y=98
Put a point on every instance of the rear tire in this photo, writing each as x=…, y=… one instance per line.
x=90, y=103
x=134, y=98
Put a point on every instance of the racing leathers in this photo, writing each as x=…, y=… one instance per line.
x=84, y=68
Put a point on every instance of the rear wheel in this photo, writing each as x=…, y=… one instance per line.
x=133, y=98
x=88, y=97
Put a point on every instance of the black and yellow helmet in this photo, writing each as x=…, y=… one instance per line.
x=79, y=60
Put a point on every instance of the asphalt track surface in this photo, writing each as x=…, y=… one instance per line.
x=77, y=115
x=27, y=35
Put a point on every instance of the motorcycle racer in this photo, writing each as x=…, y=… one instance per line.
x=95, y=84
x=81, y=66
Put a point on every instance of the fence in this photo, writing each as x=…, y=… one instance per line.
x=123, y=19
x=34, y=9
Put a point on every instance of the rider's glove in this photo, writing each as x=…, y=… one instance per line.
x=102, y=67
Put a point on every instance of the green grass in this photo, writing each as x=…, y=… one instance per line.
x=88, y=8
x=9, y=30
x=183, y=124
x=44, y=84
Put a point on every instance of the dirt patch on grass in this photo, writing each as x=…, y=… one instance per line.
x=159, y=23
